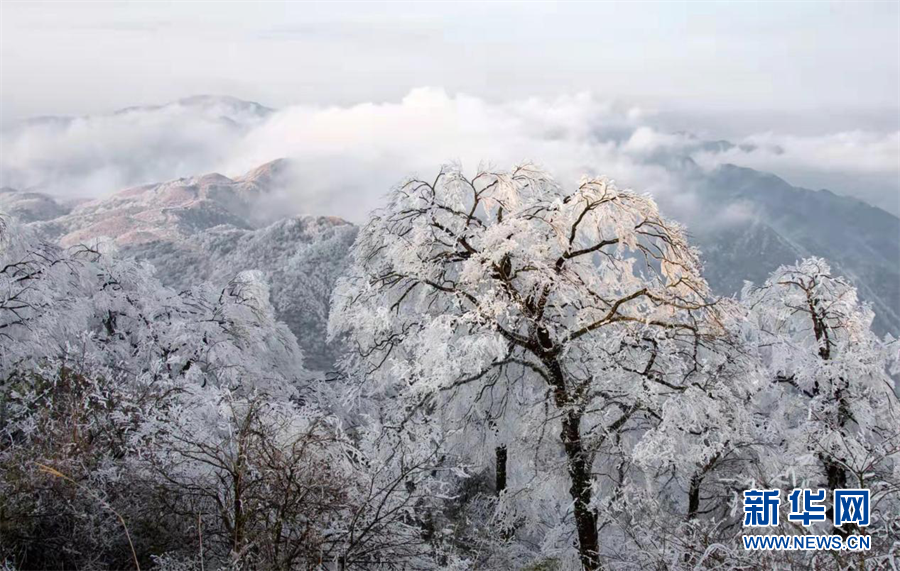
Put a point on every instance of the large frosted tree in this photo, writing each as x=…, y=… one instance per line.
x=504, y=304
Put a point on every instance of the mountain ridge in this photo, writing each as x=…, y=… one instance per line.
x=210, y=226
x=861, y=241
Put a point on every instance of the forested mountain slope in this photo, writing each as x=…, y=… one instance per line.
x=207, y=228
x=787, y=223
x=210, y=227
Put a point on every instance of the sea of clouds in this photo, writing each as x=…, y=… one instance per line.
x=345, y=158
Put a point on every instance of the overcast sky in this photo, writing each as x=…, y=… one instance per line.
x=818, y=66
x=807, y=90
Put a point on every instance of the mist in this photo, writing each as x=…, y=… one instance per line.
x=345, y=158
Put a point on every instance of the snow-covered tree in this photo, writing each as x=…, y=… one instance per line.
x=502, y=305
x=186, y=418
x=116, y=309
x=534, y=378
x=831, y=410
x=75, y=383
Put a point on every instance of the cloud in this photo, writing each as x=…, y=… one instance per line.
x=346, y=158
x=858, y=163
x=92, y=156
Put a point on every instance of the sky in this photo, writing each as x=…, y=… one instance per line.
x=815, y=85
x=782, y=58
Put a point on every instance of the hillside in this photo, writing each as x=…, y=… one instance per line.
x=207, y=228
x=210, y=227
x=789, y=223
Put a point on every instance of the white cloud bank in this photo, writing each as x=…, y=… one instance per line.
x=348, y=157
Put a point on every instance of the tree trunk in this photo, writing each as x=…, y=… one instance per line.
x=500, y=454
x=837, y=479
x=238, y=507
x=835, y=474
x=694, y=496
x=577, y=463
x=834, y=471
x=580, y=474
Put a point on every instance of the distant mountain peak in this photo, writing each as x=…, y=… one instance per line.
x=220, y=107
x=206, y=102
x=859, y=240
x=209, y=99
x=267, y=173
x=29, y=206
